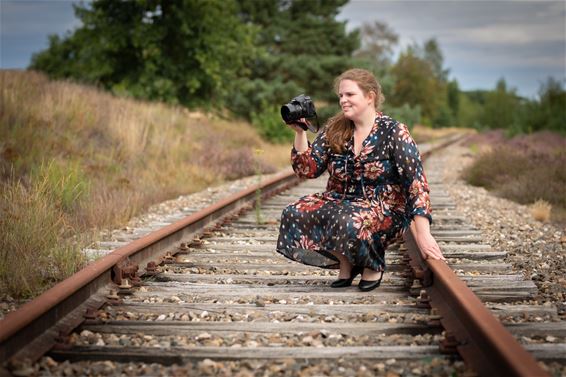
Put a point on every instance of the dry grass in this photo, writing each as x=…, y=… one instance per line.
x=541, y=210
x=104, y=159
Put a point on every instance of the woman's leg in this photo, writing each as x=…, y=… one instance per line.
x=345, y=265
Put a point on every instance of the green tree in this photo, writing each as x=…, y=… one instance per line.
x=501, y=107
x=550, y=110
x=186, y=51
x=302, y=48
x=414, y=84
x=421, y=80
x=433, y=56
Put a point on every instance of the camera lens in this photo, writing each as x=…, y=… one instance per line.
x=290, y=113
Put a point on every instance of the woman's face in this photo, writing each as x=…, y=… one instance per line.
x=353, y=101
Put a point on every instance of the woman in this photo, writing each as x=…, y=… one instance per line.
x=376, y=188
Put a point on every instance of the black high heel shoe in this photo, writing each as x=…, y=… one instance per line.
x=341, y=283
x=368, y=285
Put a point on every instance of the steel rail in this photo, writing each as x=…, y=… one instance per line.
x=28, y=323
x=471, y=329
x=477, y=335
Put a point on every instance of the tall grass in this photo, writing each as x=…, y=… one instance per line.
x=81, y=159
x=36, y=244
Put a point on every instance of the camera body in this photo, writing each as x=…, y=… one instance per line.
x=299, y=107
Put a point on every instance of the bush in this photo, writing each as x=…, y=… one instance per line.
x=522, y=174
x=270, y=125
x=405, y=114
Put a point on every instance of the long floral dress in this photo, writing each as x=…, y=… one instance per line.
x=370, y=199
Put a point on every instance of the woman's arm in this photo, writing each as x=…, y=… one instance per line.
x=308, y=160
x=420, y=227
x=301, y=143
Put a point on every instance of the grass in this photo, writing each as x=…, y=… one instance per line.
x=525, y=169
x=74, y=159
x=541, y=210
x=36, y=243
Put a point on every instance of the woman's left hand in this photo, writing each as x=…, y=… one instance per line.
x=428, y=246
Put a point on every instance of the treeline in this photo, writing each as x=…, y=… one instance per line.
x=251, y=56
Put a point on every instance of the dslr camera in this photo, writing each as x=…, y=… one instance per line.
x=300, y=107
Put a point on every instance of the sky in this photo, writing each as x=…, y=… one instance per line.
x=523, y=42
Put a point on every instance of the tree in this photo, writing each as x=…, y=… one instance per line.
x=501, y=106
x=377, y=43
x=414, y=84
x=433, y=56
x=302, y=48
x=550, y=112
x=186, y=51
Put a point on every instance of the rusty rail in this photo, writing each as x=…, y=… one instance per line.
x=476, y=334
x=27, y=324
x=471, y=329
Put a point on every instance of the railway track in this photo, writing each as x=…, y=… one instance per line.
x=220, y=301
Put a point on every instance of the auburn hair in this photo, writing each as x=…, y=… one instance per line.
x=339, y=129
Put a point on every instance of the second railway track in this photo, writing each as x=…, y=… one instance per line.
x=226, y=303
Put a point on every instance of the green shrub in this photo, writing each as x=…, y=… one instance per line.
x=405, y=114
x=270, y=125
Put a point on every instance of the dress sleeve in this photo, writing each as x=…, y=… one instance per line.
x=409, y=166
x=312, y=162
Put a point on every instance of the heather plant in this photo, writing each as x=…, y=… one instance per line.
x=525, y=170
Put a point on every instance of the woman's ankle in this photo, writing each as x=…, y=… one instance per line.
x=370, y=274
x=345, y=269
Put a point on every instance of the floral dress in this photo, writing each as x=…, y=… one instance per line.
x=370, y=199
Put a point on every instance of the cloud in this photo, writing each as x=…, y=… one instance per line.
x=526, y=39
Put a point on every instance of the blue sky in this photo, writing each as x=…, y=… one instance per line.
x=482, y=41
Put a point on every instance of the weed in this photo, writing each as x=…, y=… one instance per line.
x=65, y=185
x=541, y=210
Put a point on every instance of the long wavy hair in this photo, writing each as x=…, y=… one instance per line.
x=339, y=129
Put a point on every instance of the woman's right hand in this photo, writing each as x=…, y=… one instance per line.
x=297, y=126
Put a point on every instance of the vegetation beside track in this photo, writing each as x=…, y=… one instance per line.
x=74, y=159
x=528, y=169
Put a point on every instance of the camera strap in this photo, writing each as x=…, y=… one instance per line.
x=312, y=127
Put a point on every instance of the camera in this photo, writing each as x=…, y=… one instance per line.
x=300, y=107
